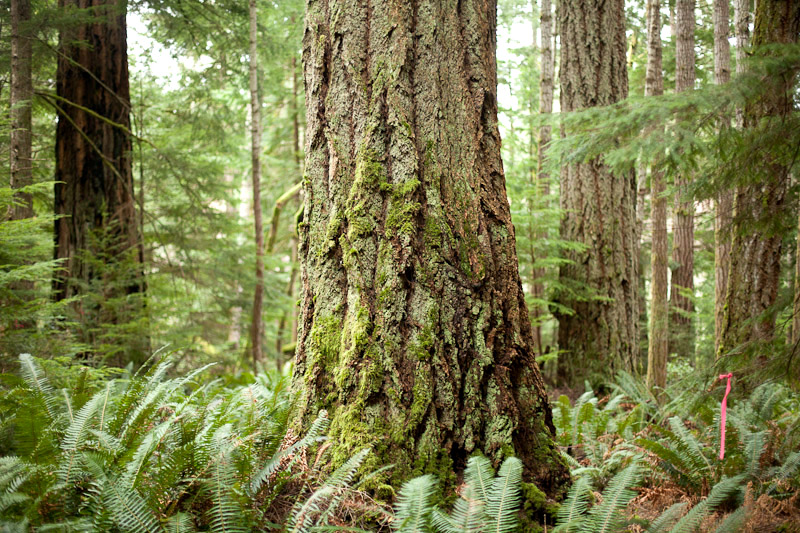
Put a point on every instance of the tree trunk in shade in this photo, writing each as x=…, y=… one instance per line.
x=757, y=239
x=681, y=306
x=257, y=324
x=599, y=207
x=20, y=136
x=723, y=215
x=658, y=338
x=413, y=334
x=20, y=103
x=97, y=235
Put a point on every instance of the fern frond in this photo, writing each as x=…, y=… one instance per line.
x=128, y=509
x=734, y=522
x=789, y=467
x=314, y=435
x=478, y=476
x=226, y=513
x=721, y=492
x=668, y=518
x=180, y=523
x=754, y=447
x=468, y=511
x=413, y=506
x=688, y=442
x=576, y=504
x=607, y=517
x=38, y=382
x=504, y=497
x=319, y=507
x=75, y=436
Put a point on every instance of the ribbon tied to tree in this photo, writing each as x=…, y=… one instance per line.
x=723, y=415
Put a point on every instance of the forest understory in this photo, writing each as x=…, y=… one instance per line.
x=417, y=266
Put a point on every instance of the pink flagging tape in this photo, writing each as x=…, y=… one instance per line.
x=723, y=416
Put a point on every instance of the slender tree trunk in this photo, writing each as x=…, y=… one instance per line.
x=97, y=235
x=545, y=135
x=796, y=304
x=659, y=308
x=681, y=305
x=414, y=335
x=724, y=205
x=20, y=103
x=741, y=25
x=757, y=247
x=257, y=325
x=600, y=207
x=21, y=132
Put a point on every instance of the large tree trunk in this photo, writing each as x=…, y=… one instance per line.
x=97, y=234
x=724, y=204
x=659, y=310
x=21, y=96
x=681, y=306
x=257, y=324
x=757, y=238
x=599, y=207
x=414, y=334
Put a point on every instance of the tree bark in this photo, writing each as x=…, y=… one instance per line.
x=20, y=103
x=97, y=232
x=545, y=135
x=257, y=324
x=724, y=202
x=757, y=244
x=21, y=133
x=681, y=305
x=599, y=207
x=796, y=301
x=741, y=27
x=659, y=309
x=414, y=334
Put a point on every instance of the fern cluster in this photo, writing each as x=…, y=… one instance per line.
x=145, y=453
x=486, y=502
x=609, y=441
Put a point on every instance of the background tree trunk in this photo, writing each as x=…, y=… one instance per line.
x=659, y=309
x=97, y=234
x=724, y=205
x=545, y=134
x=757, y=247
x=20, y=103
x=599, y=206
x=741, y=27
x=681, y=306
x=414, y=334
x=257, y=324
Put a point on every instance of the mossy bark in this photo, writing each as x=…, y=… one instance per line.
x=601, y=336
x=761, y=208
x=413, y=334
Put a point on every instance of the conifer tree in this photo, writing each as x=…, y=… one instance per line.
x=659, y=316
x=414, y=333
x=601, y=335
x=761, y=204
x=97, y=235
x=681, y=304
